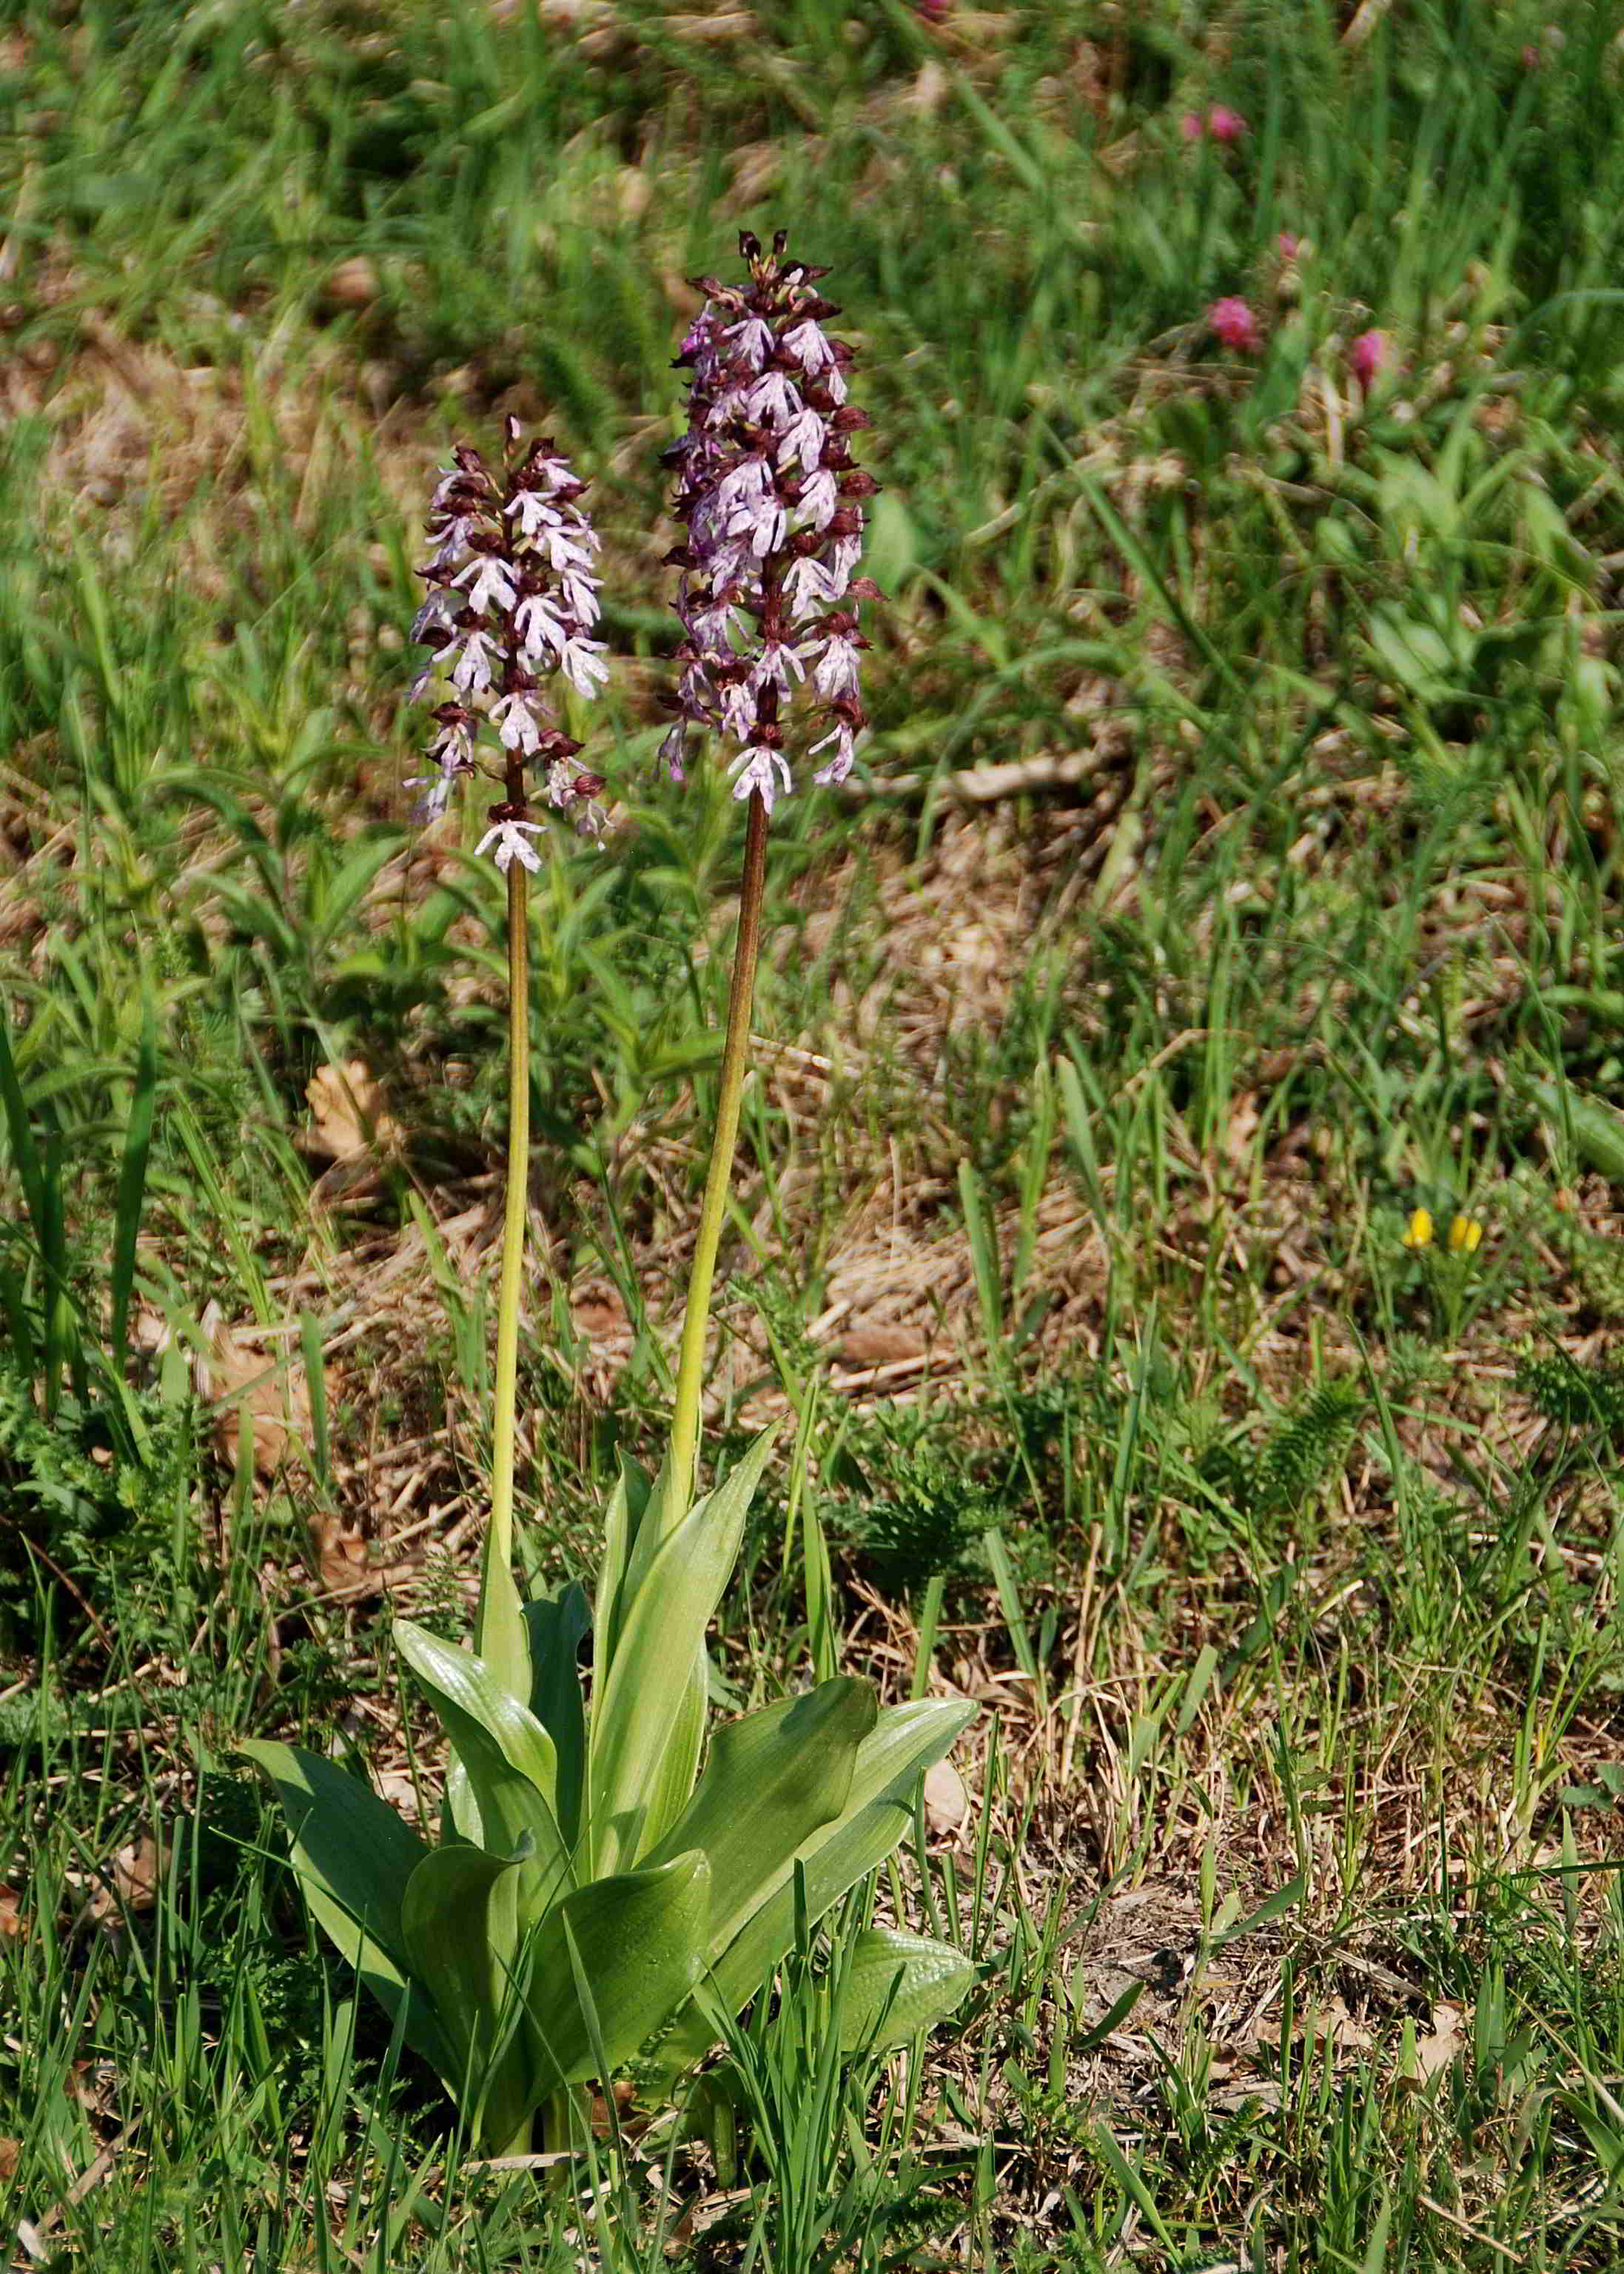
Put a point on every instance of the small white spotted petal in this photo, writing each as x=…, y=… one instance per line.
x=511, y=839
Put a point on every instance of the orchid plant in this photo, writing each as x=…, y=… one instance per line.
x=592, y=1892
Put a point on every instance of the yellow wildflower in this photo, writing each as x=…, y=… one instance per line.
x=1465, y=1234
x=1420, y=1231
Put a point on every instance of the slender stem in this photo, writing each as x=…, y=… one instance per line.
x=498, y=1530
x=735, y=1053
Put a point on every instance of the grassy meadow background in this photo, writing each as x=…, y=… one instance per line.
x=1233, y=871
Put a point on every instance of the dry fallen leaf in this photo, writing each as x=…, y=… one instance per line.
x=599, y=1317
x=947, y=1803
x=130, y=1884
x=880, y=1345
x=625, y=2094
x=275, y=1395
x=11, y=2151
x=1336, y=2027
x=352, y=284
x=340, y=1556
x=348, y=1114
x=1440, y=2045
x=11, y=1913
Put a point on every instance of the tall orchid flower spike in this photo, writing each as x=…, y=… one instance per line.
x=767, y=597
x=772, y=502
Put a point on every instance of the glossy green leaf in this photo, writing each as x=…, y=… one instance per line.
x=668, y=1503
x=622, y=1517
x=354, y=1859
x=461, y=1809
x=772, y=1779
x=499, y=1633
x=1597, y=1128
x=461, y=1682
x=644, y=1712
x=554, y=1629
x=461, y=1922
x=671, y=1785
x=349, y=1840
x=898, y=1986
x=640, y=1938
x=510, y=1759
x=879, y=1809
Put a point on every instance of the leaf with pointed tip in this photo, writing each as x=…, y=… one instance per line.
x=460, y=1918
x=671, y=1786
x=459, y=1819
x=898, y=1986
x=354, y=1859
x=640, y=1938
x=622, y=1520
x=664, y=1507
x=499, y=1633
x=643, y=1719
x=508, y=1757
x=553, y=1628
x=772, y=1779
x=879, y=1809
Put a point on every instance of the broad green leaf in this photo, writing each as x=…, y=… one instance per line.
x=498, y=1632
x=461, y=1923
x=644, y=1710
x=553, y=1628
x=471, y=1690
x=350, y=1841
x=354, y=1859
x=772, y=1779
x=639, y=1940
x=461, y=1809
x=508, y=1757
x=671, y=1785
x=898, y=1986
x=879, y=1809
x=622, y=1523
x=669, y=1500
x=1597, y=1128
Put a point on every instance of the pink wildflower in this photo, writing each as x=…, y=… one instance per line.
x=1224, y=124
x=1234, y=323
x=1366, y=357
x=1190, y=127
x=1287, y=245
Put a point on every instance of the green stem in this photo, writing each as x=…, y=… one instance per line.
x=499, y=1634
x=735, y=1055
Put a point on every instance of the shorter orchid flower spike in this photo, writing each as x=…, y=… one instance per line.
x=512, y=600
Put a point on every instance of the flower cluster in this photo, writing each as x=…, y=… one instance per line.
x=512, y=598
x=1221, y=124
x=1366, y=357
x=1465, y=1232
x=1233, y=322
x=773, y=508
